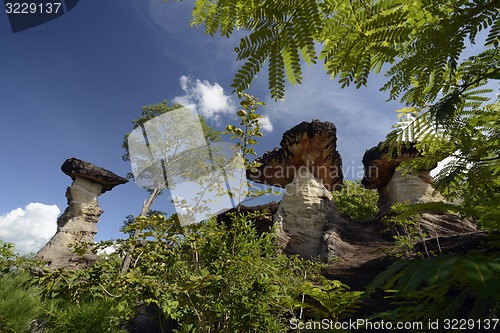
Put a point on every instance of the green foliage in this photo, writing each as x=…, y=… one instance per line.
x=442, y=287
x=11, y=260
x=24, y=306
x=335, y=300
x=233, y=280
x=469, y=131
x=94, y=315
x=246, y=136
x=209, y=277
x=406, y=229
x=8, y=256
x=281, y=32
x=417, y=39
x=250, y=129
x=129, y=219
x=356, y=201
x=20, y=302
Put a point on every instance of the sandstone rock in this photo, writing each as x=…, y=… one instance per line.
x=309, y=145
x=393, y=186
x=411, y=188
x=78, y=222
x=443, y=224
x=379, y=166
x=75, y=168
x=308, y=222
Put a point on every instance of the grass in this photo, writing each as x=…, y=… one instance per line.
x=22, y=304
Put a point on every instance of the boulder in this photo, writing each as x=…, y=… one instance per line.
x=76, y=168
x=411, y=188
x=310, y=145
x=77, y=224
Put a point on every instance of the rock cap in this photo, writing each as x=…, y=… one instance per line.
x=379, y=167
x=74, y=168
x=311, y=145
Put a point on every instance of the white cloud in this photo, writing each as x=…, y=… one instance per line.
x=208, y=99
x=265, y=124
x=29, y=228
x=107, y=250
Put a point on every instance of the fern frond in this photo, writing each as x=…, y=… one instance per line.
x=276, y=73
x=493, y=38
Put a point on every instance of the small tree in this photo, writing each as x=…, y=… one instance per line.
x=150, y=112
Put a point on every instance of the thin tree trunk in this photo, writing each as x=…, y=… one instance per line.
x=145, y=209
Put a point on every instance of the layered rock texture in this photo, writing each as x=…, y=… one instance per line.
x=309, y=145
x=308, y=222
x=392, y=185
x=78, y=222
x=308, y=165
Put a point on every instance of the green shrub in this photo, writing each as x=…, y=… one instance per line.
x=20, y=302
x=356, y=201
x=92, y=315
x=215, y=278
x=8, y=256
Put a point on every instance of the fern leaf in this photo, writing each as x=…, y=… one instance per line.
x=276, y=74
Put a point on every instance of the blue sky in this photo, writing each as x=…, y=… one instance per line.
x=71, y=87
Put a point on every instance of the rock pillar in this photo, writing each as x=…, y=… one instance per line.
x=78, y=223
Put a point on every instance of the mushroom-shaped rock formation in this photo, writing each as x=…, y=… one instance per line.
x=309, y=166
x=311, y=145
x=393, y=186
x=78, y=222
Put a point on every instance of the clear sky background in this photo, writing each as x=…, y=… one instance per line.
x=71, y=87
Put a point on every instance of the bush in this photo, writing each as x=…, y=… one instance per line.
x=356, y=201
x=20, y=302
x=92, y=315
x=8, y=256
x=215, y=278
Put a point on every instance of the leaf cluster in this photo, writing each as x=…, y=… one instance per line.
x=356, y=201
x=416, y=41
x=404, y=223
x=334, y=299
x=208, y=277
x=442, y=287
x=463, y=125
x=281, y=32
x=246, y=134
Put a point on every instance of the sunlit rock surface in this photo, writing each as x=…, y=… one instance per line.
x=308, y=222
x=309, y=145
x=78, y=222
